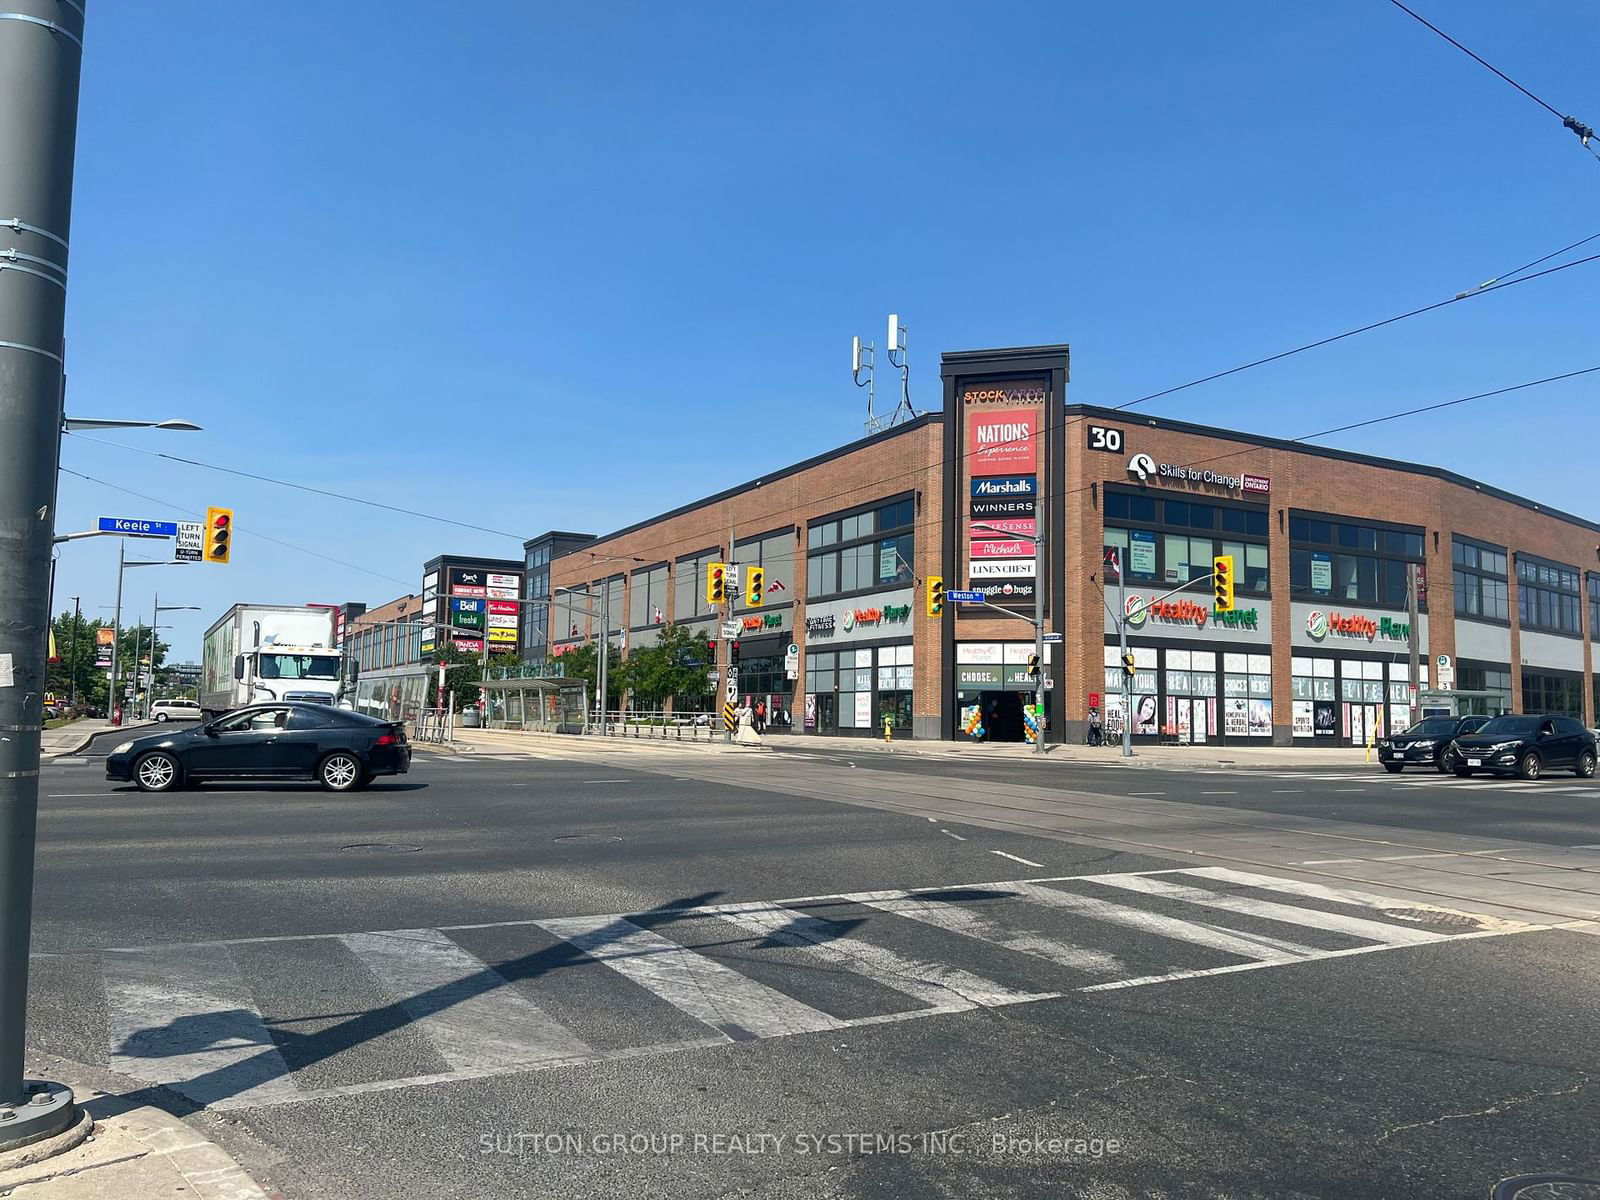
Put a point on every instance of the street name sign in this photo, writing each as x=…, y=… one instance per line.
x=964, y=597
x=1052, y=639
x=135, y=525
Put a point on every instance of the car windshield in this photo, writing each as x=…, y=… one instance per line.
x=1514, y=725
x=1433, y=728
x=299, y=666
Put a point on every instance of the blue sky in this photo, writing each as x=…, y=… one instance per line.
x=566, y=266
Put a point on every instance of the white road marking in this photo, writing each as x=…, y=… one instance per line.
x=1342, y=791
x=941, y=988
x=736, y=1006
x=1404, y=857
x=972, y=922
x=1219, y=793
x=75, y=795
x=181, y=1016
x=1324, y=862
x=1286, y=913
x=1229, y=941
x=1017, y=858
x=608, y=781
x=1342, y=895
x=957, y=836
x=1147, y=793
x=1287, y=791
x=467, y=1009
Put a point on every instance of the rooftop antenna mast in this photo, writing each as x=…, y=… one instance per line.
x=897, y=345
x=862, y=358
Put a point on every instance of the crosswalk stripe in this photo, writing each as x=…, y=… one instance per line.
x=1317, y=891
x=981, y=927
x=469, y=1011
x=1258, y=946
x=1393, y=935
x=180, y=1016
x=739, y=1007
x=942, y=988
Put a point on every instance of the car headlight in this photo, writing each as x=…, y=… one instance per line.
x=1498, y=746
x=1426, y=744
x=124, y=748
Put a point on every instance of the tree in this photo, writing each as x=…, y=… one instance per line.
x=583, y=662
x=460, y=681
x=75, y=651
x=677, y=666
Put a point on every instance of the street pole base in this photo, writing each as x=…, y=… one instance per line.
x=49, y=1110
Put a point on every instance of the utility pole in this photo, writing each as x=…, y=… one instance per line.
x=605, y=649
x=41, y=49
x=72, y=657
x=113, y=697
x=1413, y=647
x=1122, y=658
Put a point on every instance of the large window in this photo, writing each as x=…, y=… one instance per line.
x=1594, y=608
x=1547, y=597
x=690, y=593
x=774, y=552
x=647, y=598
x=1162, y=541
x=861, y=551
x=1548, y=692
x=1493, y=680
x=1356, y=562
x=1479, y=573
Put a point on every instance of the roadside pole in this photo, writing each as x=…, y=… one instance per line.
x=116, y=636
x=1038, y=642
x=1413, y=646
x=41, y=46
x=72, y=680
x=605, y=649
x=1122, y=659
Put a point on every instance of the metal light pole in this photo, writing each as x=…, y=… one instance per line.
x=116, y=641
x=41, y=49
x=72, y=656
x=1122, y=659
x=155, y=615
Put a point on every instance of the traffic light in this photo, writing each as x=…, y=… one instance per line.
x=1222, y=582
x=755, y=586
x=711, y=654
x=1127, y=664
x=733, y=653
x=716, y=583
x=219, y=534
x=936, y=595
x=1033, y=666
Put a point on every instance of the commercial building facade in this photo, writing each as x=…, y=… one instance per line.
x=468, y=600
x=1125, y=508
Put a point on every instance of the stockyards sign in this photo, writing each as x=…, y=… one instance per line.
x=1145, y=469
x=1314, y=626
x=1191, y=620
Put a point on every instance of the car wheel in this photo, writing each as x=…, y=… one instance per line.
x=1441, y=762
x=1392, y=768
x=1529, y=766
x=157, y=772
x=161, y=718
x=340, y=772
x=1462, y=772
x=1585, y=767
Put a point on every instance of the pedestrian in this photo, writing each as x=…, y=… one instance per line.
x=1096, y=734
x=761, y=716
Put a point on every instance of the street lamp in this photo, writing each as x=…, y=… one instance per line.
x=158, y=609
x=1038, y=624
x=69, y=424
x=116, y=639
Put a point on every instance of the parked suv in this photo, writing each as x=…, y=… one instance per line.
x=1526, y=746
x=1425, y=744
x=175, y=710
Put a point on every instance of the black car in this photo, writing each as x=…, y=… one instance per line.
x=1526, y=746
x=341, y=750
x=1425, y=743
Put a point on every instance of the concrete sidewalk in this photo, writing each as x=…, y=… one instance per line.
x=1275, y=758
x=69, y=739
x=123, y=1150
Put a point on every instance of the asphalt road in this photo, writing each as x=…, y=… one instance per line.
x=1559, y=810
x=514, y=977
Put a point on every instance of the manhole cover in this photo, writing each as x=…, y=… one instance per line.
x=380, y=848
x=587, y=839
x=1424, y=916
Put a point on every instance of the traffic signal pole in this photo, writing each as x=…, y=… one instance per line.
x=41, y=49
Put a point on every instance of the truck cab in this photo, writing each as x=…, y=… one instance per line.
x=313, y=674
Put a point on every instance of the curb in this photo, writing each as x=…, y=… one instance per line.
x=36, y=1152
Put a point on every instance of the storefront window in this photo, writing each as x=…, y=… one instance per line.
x=852, y=689
x=1495, y=682
x=1547, y=596
x=1313, y=688
x=1552, y=692
x=1358, y=562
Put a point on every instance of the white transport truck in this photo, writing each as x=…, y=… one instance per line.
x=261, y=652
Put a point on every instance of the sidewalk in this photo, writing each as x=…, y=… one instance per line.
x=1275, y=758
x=123, y=1150
x=69, y=739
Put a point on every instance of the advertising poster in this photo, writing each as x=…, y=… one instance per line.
x=1325, y=719
x=501, y=608
x=811, y=711
x=863, y=710
x=1113, y=714
x=1145, y=708
x=1142, y=553
x=1002, y=443
x=1236, y=716
x=1261, y=718
x=1321, y=573
x=1304, y=724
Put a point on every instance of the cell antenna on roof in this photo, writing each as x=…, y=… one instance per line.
x=862, y=360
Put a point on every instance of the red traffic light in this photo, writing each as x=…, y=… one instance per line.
x=221, y=521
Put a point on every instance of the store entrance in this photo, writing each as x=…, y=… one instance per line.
x=1002, y=716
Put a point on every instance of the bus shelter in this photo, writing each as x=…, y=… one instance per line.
x=543, y=704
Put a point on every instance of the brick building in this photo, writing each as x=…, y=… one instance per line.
x=1326, y=544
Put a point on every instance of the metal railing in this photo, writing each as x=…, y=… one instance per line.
x=656, y=725
x=434, y=725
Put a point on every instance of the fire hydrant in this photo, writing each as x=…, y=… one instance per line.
x=888, y=728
